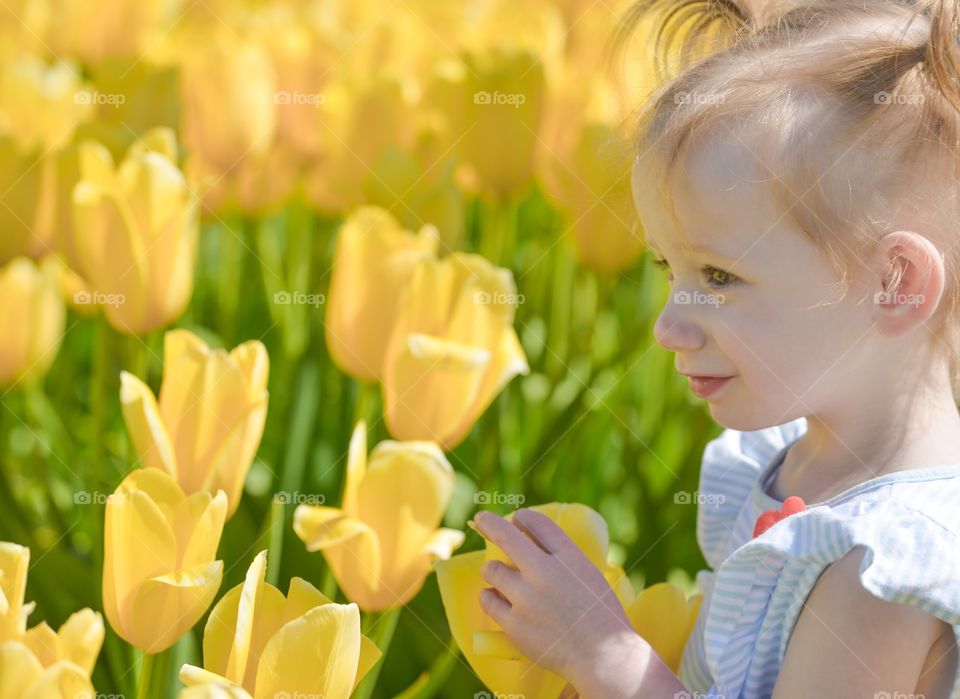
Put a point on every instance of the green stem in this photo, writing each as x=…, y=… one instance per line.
x=98, y=384
x=146, y=675
x=436, y=677
x=275, y=551
x=384, y=627
x=329, y=584
x=365, y=402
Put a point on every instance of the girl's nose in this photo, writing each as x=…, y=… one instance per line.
x=677, y=331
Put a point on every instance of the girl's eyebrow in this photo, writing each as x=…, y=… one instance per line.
x=701, y=249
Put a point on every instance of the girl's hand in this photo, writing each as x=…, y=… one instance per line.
x=553, y=603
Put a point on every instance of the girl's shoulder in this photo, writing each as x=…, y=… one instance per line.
x=731, y=464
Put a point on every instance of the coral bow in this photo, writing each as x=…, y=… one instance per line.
x=791, y=505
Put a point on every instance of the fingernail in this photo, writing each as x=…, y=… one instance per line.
x=474, y=527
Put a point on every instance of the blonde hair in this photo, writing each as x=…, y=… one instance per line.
x=873, y=84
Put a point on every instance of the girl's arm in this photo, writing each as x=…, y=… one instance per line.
x=849, y=643
x=560, y=611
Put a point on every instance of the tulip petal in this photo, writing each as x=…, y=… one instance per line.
x=203, y=536
x=350, y=547
x=139, y=544
x=62, y=680
x=146, y=429
x=19, y=669
x=356, y=467
x=214, y=690
x=495, y=644
x=14, y=563
x=444, y=542
x=317, y=653
x=431, y=386
x=81, y=637
x=460, y=584
x=165, y=607
x=226, y=647
x=662, y=614
x=582, y=524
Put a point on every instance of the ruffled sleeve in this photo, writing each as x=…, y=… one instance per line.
x=731, y=464
x=912, y=557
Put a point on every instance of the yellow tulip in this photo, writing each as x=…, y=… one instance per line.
x=494, y=97
x=381, y=543
x=259, y=643
x=34, y=317
x=373, y=262
x=95, y=30
x=207, y=426
x=28, y=186
x=135, y=232
x=159, y=572
x=41, y=662
x=452, y=349
x=228, y=92
x=362, y=114
x=41, y=104
x=664, y=616
x=40, y=107
x=498, y=662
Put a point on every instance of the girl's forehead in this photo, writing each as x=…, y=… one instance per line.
x=719, y=192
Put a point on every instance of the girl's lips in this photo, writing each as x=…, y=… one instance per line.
x=706, y=386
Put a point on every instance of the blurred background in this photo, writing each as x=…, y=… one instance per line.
x=500, y=123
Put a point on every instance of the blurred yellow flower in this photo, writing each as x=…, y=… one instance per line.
x=94, y=30
x=34, y=317
x=159, y=572
x=381, y=543
x=41, y=104
x=452, y=348
x=135, y=232
x=664, y=616
x=228, y=92
x=206, y=429
x=259, y=643
x=494, y=657
x=41, y=662
x=373, y=261
x=494, y=101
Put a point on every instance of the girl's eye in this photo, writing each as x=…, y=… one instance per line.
x=716, y=278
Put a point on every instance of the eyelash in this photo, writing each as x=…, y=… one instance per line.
x=707, y=269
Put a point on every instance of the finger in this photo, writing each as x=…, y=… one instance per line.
x=547, y=533
x=514, y=542
x=506, y=579
x=496, y=607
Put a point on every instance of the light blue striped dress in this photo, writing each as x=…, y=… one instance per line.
x=909, y=522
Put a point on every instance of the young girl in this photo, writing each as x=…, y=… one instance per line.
x=801, y=187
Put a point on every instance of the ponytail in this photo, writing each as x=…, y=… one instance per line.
x=688, y=28
x=942, y=52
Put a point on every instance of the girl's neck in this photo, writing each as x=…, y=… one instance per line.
x=834, y=456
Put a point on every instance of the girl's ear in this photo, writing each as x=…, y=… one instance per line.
x=910, y=278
